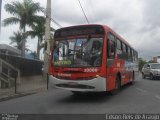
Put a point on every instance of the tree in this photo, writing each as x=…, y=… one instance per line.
x=151, y=61
x=23, y=13
x=38, y=30
x=141, y=63
x=17, y=39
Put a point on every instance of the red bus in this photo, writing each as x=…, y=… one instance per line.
x=89, y=58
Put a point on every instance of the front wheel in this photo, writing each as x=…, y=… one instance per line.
x=143, y=76
x=117, y=86
x=151, y=76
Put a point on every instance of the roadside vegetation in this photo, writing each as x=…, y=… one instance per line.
x=25, y=13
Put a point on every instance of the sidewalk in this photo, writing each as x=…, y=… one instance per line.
x=28, y=85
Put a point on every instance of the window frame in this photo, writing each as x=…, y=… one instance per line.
x=111, y=37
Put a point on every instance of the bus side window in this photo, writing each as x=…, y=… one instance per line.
x=124, y=50
x=127, y=54
x=131, y=55
x=136, y=56
x=119, y=49
x=111, y=49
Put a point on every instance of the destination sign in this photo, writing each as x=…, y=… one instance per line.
x=81, y=30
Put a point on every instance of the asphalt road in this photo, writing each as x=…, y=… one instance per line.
x=142, y=97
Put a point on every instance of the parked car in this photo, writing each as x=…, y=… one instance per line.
x=151, y=70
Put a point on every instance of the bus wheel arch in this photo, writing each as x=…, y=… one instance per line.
x=117, y=84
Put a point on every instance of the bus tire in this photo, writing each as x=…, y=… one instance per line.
x=117, y=86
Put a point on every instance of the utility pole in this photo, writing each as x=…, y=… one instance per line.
x=47, y=41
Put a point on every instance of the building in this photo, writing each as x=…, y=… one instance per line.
x=13, y=65
x=156, y=59
x=8, y=50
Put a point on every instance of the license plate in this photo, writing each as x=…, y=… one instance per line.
x=72, y=83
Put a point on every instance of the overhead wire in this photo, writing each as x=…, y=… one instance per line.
x=92, y=10
x=88, y=10
x=83, y=11
x=59, y=25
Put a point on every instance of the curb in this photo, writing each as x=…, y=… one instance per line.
x=17, y=95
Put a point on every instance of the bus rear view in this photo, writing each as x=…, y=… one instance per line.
x=77, y=57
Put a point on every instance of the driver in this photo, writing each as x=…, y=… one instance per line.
x=96, y=52
x=96, y=48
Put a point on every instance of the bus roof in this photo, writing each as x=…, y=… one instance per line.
x=117, y=35
x=106, y=29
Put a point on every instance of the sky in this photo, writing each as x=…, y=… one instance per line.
x=137, y=21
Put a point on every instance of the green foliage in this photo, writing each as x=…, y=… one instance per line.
x=151, y=61
x=17, y=39
x=23, y=13
x=38, y=30
x=141, y=63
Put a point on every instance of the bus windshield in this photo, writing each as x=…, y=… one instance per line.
x=78, y=52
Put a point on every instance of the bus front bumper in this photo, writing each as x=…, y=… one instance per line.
x=97, y=84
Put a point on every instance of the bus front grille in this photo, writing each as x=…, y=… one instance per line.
x=80, y=86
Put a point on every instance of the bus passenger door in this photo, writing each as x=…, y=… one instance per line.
x=110, y=62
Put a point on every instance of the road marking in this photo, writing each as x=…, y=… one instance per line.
x=141, y=90
x=144, y=91
x=157, y=96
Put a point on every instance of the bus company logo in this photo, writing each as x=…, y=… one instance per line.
x=64, y=75
x=91, y=70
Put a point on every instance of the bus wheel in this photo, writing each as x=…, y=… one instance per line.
x=117, y=86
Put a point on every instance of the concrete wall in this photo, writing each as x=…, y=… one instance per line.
x=26, y=66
